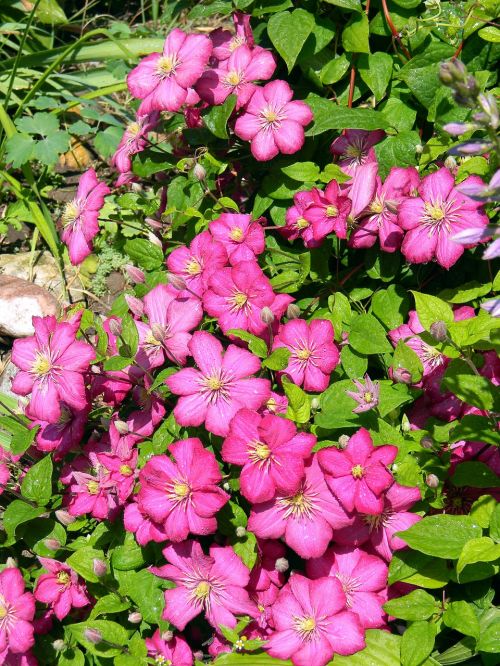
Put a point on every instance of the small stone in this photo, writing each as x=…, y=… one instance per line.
x=21, y=300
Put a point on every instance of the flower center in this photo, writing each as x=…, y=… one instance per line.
x=163, y=661
x=376, y=206
x=181, y=489
x=271, y=405
x=65, y=416
x=166, y=65
x=233, y=78
x=355, y=152
x=299, y=505
x=235, y=42
x=63, y=578
x=236, y=234
x=93, y=487
x=374, y=522
x=368, y=396
x=3, y=611
x=305, y=626
x=258, y=452
x=133, y=129
x=125, y=470
x=151, y=340
x=332, y=211
x=71, y=212
x=193, y=267
x=271, y=118
x=41, y=365
x=214, y=383
x=303, y=354
x=239, y=300
x=435, y=211
x=202, y=590
x=301, y=223
x=357, y=471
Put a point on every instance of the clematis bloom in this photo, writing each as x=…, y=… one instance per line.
x=196, y=263
x=355, y=148
x=17, y=610
x=60, y=588
x=174, y=651
x=134, y=140
x=242, y=237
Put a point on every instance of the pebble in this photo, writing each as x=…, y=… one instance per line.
x=20, y=300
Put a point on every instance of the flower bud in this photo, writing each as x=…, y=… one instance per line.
x=155, y=240
x=439, y=331
x=135, y=618
x=456, y=129
x=293, y=311
x=419, y=149
x=343, y=441
x=427, y=442
x=10, y=563
x=401, y=375
x=52, y=544
x=115, y=326
x=135, y=274
x=136, y=187
x=154, y=224
x=136, y=306
x=226, y=486
x=240, y=531
x=315, y=404
x=405, y=424
x=446, y=74
x=281, y=564
x=158, y=332
x=199, y=172
x=59, y=645
x=121, y=427
x=176, y=281
x=100, y=568
x=432, y=481
x=267, y=315
x=64, y=517
x=167, y=636
x=198, y=655
x=92, y=635
x=450, y=163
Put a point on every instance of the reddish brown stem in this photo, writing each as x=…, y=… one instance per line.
x=459, y=50
x=352, y=81
x=394, y=30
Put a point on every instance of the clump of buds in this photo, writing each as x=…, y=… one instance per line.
x=453, y=73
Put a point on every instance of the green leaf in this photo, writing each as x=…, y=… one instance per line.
x=256, y=345
x=418, y=605
x=48, y=150
x=117, y=363
x=482, y=549
x=144, y=253
x=405, y=357
x=399, y=114
x=278, y=359
x=19, y=150
x=489, y=640
x=143, y=588
x=71, y=657
x=397, y=150
x=367, y=335
x=230, y=517
x=355, y=34
x=331, y=116
x=299, y=404
x=490, y=34
x=246, y=548
x=354, y=364
x=382, y=649
x=127, y=556
x=43, y=124
x=391, y=305
x=110, y=603
x=288, y=32
x=354, y=5
x=417, y=643
x=16, y=513
x=427, y=536
x=50, y=13
x=473, y=389
x=334, y=70
x=37, y=484
x=216, y=118
x=459, y=615
x=475, y=474
x=129, y=337
x=302, y=171
x=151, y=161
x=495, y=524
x=416, y=568
x=376, y=70
x=82, y=561
x=113, y=634
x=474, y=428
x=431, y=309
x=482, y=510
x=106, y=141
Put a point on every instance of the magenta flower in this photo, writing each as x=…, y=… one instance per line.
x=144, y=529
x=380, y=529
x=162, y=80
x=52, y=363
x=296, y=225
x=60, y=588
x=355, y=148
x=311, y=625
x=175, y=651
x=276, y=404
x=80, y=217
x=361, y=192
x=62, y=436
x=270, y=451
x=363, y=578
x=242, y=238
x=236, y=296
x=381, y=220
x=435, y=216
x=134, y=140
x=171, y=317
x=222, y=385
x=265, y=574
x=17, y=610
x=366, y=396
x=272, y=122
x=313, y=353
x=329, y=213
x=358, y=475
x=214, y=584
x=122, y=471
x=305, y=520
x=93, y=494
x=196, y=263
x=182, y=496
x=225, y=42
x=236, y=75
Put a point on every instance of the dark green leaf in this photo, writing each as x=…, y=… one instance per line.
x=216, y=118
x=37, y=484
x=355, y=34
x=331, y=116
x=376, y=69
x=144, y=253
x=288, y=31
x=368, y=336
x=476, y=474
x=397, y=151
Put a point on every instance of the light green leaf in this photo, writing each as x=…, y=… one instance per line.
x=431, y=309
x=397, y=150
x=405, y=358
x=302, y=171
x=256, y=345
x=475, y=474
x=459, y=615
x=278, y=359
x=367, y=335
x=37, y=484
x=19, y=149
x=288, y=32
x=355, y=34
x=418, y=605
x=113, y=634
x=376, y=70
x=334, y=70
x=417, y=643
x=82, y=561
x=427, y=535
x=299, y=404
x=144, y=253
x=482, y=549
x=473, y=389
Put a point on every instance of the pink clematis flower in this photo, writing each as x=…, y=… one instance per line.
x=313, y=354
x=381, y=220
x=80, y=217
x=144, y=529
x=236, y=296
x=93, y=494
x=379, y=529
x=175, y=651
x=60, y=588
x=18, y=659
x=17, y=610
x=329, y=212
x=162, y=80
x=311, y=625
x=271, y=452
x=358, y=475
x=272, y=122
x=361, y=191
x=296, y=225
x=62, y=436
x=306, y=519
x=363, y=578
x=355, y=147
x=222, y=385
x=225, y=42
x=196, y=263
x=242, y=237
x=214, y=584
x=276, y=404
x=52, y=363
x=171, y=318
x=134, y=140
x=367, y=395
x=265, y=574
x=435, y=216
x=236, y=76
x=182, y=495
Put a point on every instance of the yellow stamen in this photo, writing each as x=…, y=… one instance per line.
x=71, y=212
x=240, y=299
x=166, y=65
x=303, y=354
x=262, y=451
x=236, y=234
x=214, y=383
x=193, y=267
x=181, y=490
x=357, y=471
x=42, y=365
x=332, y=211
x=63, y=578
x=367, y=396
x=133, y=129
x=125, y=470
x=435, y=211
x=93, y=487
x=301, y=223
x=233, y=78
x=202, y=590
x=3, y=611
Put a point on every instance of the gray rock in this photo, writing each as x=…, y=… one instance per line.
x=21, y=300
x=7, y=372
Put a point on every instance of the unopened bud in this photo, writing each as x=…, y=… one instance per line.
x=59, y=645
x=315, y=404
x=135, y=274
x=92, y=635
x=64, y=517
x=267, y=315
x=158, y=332
x=199, y=172
x=293, y=311
x=176, y=281
x=136, y=306
x=281, y=564
x=240, y=531
x=419, y=149
x=450, y=163
x=439, y=331
x=135, y=618
x=401, y=375
x=405, y=424
x=198, y=655
x=226, y=486
x=115, y=326
x=10, y=563
x=432, y=481
x=52, y=544
x=100, y=568
x=445, y=74
x=121, y=427
x=154, y=239
x=427, y=442
x=136, y=187
x=167, y=636
x=343, y=441
x=154, y=224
